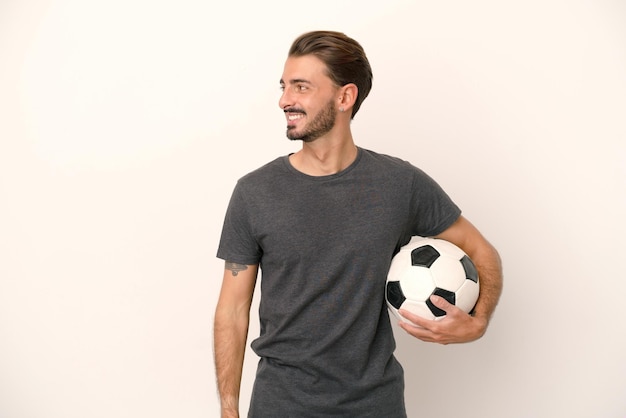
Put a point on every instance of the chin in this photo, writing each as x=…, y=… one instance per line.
x=296, y=136
x=303, y=138
x=307, y=136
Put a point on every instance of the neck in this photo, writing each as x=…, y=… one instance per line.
x=325, y=156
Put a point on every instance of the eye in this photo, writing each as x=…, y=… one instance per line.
x=301, y=87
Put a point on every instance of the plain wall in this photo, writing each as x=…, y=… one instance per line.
x=124, y=126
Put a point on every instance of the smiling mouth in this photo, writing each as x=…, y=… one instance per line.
x=294, y=116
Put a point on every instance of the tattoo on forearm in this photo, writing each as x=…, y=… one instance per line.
x=235, y=268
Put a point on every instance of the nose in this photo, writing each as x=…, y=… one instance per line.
x=286, y=99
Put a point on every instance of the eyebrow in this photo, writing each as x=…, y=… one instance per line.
x=295, y=80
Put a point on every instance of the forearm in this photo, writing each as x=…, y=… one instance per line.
x=489, y=266
x=230, y=333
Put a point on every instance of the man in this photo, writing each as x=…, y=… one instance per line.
x=322, y=225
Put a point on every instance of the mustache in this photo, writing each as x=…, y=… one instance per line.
x=294, y=110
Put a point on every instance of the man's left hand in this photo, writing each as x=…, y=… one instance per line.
x=456, y=327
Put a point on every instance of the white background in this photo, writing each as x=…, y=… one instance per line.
x=124, y=125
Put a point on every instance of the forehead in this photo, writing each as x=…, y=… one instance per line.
x=305, y=68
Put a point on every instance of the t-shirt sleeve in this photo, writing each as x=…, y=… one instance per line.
x=238, y=243
x=434, y=211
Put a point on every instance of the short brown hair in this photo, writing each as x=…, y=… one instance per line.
x=344, y=57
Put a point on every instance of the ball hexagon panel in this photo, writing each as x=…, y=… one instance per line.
x=418, y=308
x=417, y=283
x=467, y=295
x=448, y=272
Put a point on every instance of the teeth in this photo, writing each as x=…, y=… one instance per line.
x=294, y=117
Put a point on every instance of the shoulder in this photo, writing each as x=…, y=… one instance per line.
x=389, y=163
x=265, y=173
x=395, y=170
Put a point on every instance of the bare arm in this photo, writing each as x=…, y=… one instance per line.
x=457, y=326
x=230, y=332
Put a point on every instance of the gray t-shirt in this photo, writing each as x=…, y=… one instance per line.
x=324, y=245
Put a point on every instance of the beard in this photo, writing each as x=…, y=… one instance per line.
x=323, y=122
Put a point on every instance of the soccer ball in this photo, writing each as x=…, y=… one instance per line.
x=427, y=266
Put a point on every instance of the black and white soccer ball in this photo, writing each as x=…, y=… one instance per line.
x=427, y=266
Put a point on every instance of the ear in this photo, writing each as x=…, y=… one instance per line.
x=347, y=97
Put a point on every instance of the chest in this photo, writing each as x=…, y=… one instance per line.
x=351, y=217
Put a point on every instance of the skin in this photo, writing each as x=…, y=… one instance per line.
x=232, y=317
x=311, y=101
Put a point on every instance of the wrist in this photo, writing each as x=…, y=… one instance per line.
x=229, y=413
x=230, y=407
x=481, y=322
